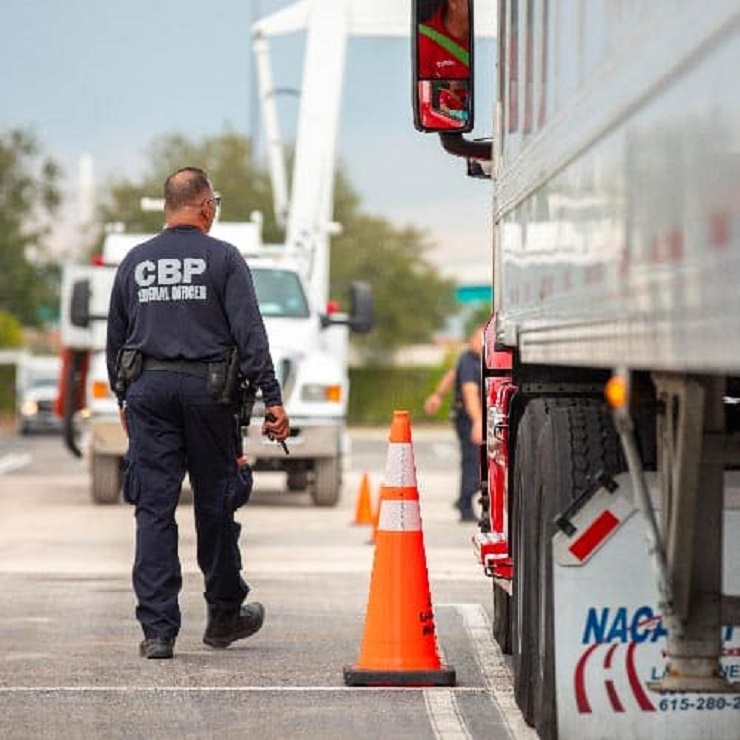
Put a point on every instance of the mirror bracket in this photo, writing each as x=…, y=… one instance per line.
x=457, y=145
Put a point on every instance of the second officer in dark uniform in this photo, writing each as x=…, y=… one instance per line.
x=181, y=304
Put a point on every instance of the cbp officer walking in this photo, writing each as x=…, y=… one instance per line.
x=182, y=302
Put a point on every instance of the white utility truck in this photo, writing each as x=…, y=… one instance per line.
x=610, y=520
x=309, y=343
x=310, y=362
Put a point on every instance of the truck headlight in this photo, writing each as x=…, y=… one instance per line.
x=321, y=393
x=29, y=408
x=100, y=389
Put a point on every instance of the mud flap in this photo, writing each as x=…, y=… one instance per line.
x=610, y=639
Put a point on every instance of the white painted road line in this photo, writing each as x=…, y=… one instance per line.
x=444, y=715
x=13, y=461
x=218, y=689
x=442, y=708
x=495, y=672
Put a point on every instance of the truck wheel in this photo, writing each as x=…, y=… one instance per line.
x=525, y=599
x=327, y=481
x=297, y=480
x=577, y=443
x=502, y=619
x=106, y=478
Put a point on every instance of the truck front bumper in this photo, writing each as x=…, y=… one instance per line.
x=308, y=440
x=107, y=436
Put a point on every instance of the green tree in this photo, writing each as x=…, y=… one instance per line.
x=479, y=314
x=228, y=160
x=29, y=198
x=11, y=331
x=411, y=299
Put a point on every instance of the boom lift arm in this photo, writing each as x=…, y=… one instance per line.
x=308, y=213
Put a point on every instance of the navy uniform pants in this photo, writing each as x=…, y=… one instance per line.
x=469, y=464
x=176, y=426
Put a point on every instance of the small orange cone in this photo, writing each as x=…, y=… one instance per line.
x=399, y=647
x=364, y=509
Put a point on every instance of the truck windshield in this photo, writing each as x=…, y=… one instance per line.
x=280, y=293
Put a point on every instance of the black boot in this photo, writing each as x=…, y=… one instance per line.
x=227, y=625
x=156, y=647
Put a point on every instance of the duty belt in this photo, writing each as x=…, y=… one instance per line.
x=198, y=368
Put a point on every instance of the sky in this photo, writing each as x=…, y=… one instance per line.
x=106, y=78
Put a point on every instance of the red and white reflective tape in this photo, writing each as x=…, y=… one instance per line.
x=399, y=516
x=592, y=537
x=400, y=470
x=593, y=526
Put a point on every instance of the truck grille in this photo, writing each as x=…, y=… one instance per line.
x=285, y=374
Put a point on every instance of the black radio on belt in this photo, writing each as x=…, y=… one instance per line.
x=222, y=378
x=231, y=379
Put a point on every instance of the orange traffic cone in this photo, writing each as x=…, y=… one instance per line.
x=364, y=509
x=376, y=519
x=399, y=647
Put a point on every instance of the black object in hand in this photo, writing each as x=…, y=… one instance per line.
x=271, y=417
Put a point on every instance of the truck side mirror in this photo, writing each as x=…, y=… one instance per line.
x=361, y=316
x=442, y=62
x=362, y=312
x=79, y=309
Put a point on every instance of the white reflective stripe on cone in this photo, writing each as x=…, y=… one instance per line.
x=400, y=471
x=399, y=516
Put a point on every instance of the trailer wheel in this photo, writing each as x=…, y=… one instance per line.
x=106, y=478
x=525, y=599
x=577, y=443
x=327, y=482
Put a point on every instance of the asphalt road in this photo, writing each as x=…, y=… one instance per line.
x=70, y=668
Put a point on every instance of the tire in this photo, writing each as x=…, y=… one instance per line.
x=327, y=482
x=524, y=603
x=502, y=619
x=577, y=442
x=297, y=480
x=106, y=478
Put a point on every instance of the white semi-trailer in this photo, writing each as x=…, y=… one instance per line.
x=610, y=531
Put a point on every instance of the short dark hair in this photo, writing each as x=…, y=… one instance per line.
x=181, y=188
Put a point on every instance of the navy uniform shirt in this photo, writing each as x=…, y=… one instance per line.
x=467, y=371
x=186, y=296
